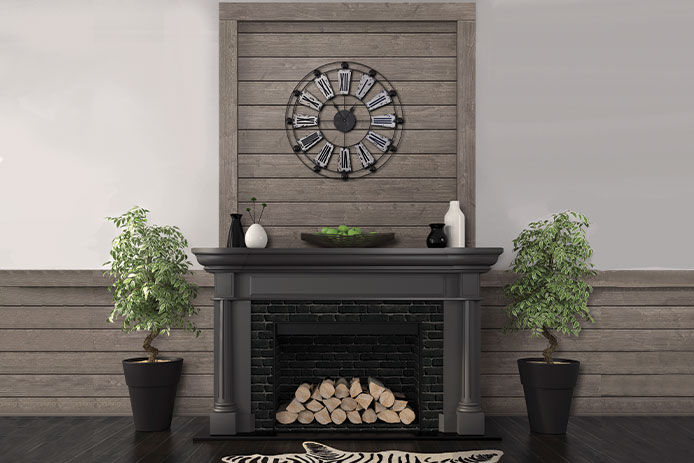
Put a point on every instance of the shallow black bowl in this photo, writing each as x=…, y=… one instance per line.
x=368, y=240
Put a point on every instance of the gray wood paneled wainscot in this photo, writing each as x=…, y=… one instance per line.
x=427, y=52
x=58, y=355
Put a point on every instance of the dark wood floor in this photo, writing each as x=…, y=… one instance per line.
x=112, y=439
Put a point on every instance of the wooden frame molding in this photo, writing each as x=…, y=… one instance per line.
x=318, y=11
x=452, y=146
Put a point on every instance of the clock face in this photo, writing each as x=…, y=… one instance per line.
x=344, y=120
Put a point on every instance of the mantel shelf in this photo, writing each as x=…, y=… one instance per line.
x=347, y=259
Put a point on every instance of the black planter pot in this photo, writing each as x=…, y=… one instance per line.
x=152, y=388
x=548, y=391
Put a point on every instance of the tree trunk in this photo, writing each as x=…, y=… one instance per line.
x=552, y=344
x=147, y=346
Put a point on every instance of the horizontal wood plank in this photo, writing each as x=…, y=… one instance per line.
x=411, y=93
x=643, y=363
x=611, y=296
x=70, y=340
x=646, y=340
x=91, y=386
x=510, y=386
x=350, y=27
x=612, y=278
x=363, y=214
x=71, y=296
x=617, y=317
x=81, y=363
x=77, y=317
x=358, y=11
x=77, y=278
x=365, y=44
x=412, y=142
x=599, y=406
x=92, y=406
x=647, y=385
x=295, y=69
x=365, y=189
x=600, y=386
x=416, y=117
x=399, y=166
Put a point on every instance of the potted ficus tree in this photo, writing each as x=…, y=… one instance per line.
x=150, y=293
x=550, y=295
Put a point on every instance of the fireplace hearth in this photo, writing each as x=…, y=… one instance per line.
x=270, y=299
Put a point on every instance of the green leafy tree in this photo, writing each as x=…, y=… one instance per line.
x=551, y=294
x=149, y=264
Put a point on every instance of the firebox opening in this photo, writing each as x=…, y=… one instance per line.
x=311, y=352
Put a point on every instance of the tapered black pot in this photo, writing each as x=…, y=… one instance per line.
x=152, y=389
x=548, y=391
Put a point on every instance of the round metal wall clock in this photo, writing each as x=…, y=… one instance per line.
x=344, y=120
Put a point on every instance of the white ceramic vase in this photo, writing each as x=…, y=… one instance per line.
x=455, y=226
x=256, y=237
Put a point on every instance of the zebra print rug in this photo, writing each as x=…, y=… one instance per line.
x=319, y=453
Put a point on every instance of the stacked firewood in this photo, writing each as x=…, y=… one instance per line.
x=335, y=401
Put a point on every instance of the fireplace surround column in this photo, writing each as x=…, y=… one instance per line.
x=469, y=415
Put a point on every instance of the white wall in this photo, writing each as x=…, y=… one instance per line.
x=584, y=104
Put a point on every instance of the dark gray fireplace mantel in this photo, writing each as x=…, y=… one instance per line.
x=450, y=275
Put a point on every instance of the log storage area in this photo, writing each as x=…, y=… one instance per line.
x=339, y=401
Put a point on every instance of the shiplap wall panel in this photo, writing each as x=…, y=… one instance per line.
x=365, y=44
x=637, y=358
x=421, y=61
x=408, y=166
x=418, y=93
x=384, y=190
x=413, y=142
x=351, y=27
x=369, y=214
x=293, y=69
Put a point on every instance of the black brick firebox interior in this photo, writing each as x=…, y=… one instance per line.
x=400, y=343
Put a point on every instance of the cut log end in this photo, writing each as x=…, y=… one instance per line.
x=338, y=416
x=407, y=415
x=323, y=416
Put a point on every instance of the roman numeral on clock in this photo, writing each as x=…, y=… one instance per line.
x=344, y=78
x=365, y=156
x=323, y=84
x=323, y=157
x=345, y=164
x=379, y=100
x=301, y=120
x=365, y=85
x=386, y=120
x=379, y=140
x=309, y=140
x=306, y=99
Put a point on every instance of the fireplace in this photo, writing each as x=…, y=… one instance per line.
x=268, y=302
x=400, y=343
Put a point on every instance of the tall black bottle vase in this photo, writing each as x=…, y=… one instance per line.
x=235, y=238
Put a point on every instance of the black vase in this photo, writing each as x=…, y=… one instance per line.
x=235, y=239
x=437, y=238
